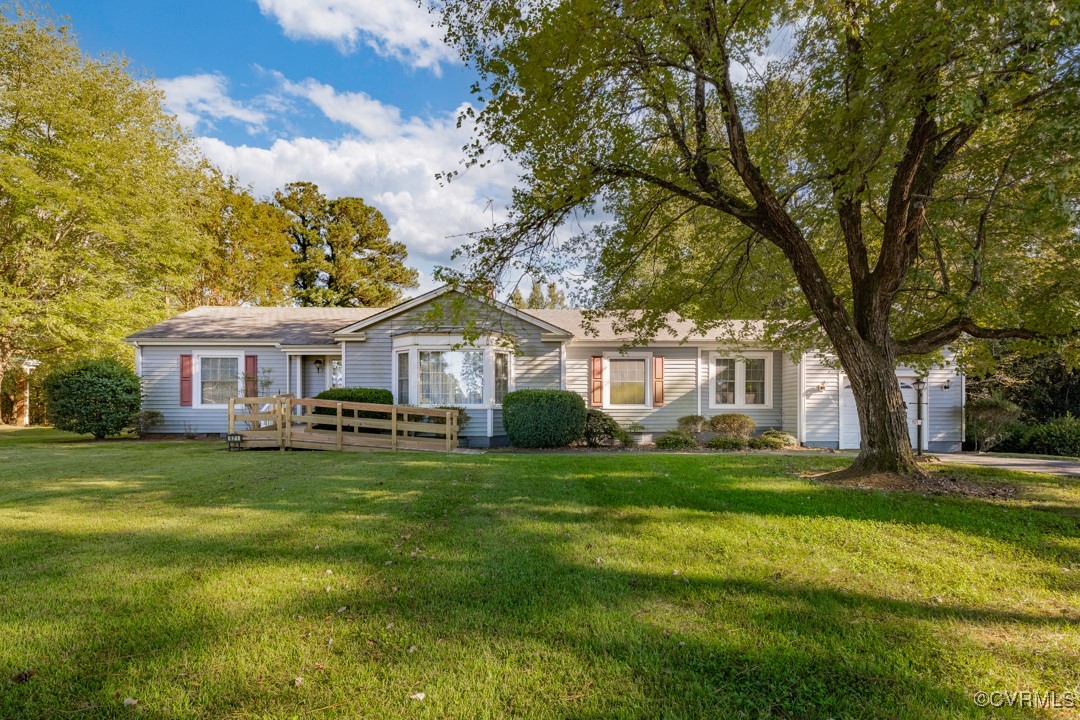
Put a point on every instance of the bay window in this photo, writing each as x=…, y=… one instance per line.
x=426, y=374
x=743, y=380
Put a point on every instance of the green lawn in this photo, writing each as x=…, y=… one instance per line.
x=203, y=584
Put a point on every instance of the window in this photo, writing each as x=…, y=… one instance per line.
x=725, y=381
x=754, y=391
x=219, y=379
x=741, y=381
x=336, y=376
x=451, y=377
x=502, y=376
x=403, y=378
x=627, y=381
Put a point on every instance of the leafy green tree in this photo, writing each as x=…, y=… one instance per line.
x=99, y=397
x=536, y=300
x=249, y=258
x=516, y=299
x=96, y=183
x=887, y=178
x=343, y=254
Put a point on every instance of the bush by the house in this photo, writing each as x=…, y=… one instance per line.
x=765, y=442
x=723, y=442
x=98, y=397
x=543, y=418
x=988, y=418
x=358, y=395
x=602, y=429
x=144, y=422
x=786, y=439
x=692, y=423
x=734, y=425
x=1057, y=437
x=677, y=440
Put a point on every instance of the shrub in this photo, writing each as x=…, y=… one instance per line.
x=692, y=423
x=98, y=397
x=733, y=425
x=677, y=440
x=988, y=418
x=543, y=418
x=1014, y=438
x=786, y=439
x=143, y=422
x=602, y=429
x=765, y=442
x=1057, y=437
x=723, y=442
x=358, y=395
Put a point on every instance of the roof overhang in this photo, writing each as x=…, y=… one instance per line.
x=310, y=349
x=213, y=342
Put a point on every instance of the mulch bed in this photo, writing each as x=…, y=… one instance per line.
x=932, y=483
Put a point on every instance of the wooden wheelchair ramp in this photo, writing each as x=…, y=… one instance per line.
x=282, y=422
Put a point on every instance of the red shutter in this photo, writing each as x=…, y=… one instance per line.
x=596, y=385
x=185, y=381
x=658, y=381
x=251, y=376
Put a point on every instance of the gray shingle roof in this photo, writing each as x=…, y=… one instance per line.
x=287, y=325
x=603, y=329
x=315, y=326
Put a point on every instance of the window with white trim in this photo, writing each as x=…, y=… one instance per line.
x=218, y=379
x=743, y=380
x=438, y=371
x=628, y=380
x=450, y=377
x=403, y=378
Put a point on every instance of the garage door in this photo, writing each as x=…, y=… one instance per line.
x=850, y=436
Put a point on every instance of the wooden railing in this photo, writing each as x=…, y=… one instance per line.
x=283, y=421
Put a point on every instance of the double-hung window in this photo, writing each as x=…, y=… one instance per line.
x=628, y=380
x=218, y=379
x=743, y=380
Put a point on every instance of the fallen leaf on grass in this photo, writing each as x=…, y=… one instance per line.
x=24, y=676
x=298, y=682
x=418, y=696
x=130, y=702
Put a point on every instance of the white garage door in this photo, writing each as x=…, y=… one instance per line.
x=850, y=436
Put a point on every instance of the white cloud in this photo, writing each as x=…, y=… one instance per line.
x=401, y=29
x=199, y=100
x=359, y=110
x=392, y=169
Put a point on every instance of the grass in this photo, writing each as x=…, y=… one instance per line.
x=202, y=584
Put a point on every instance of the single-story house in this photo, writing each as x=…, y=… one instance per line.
x=191, y=364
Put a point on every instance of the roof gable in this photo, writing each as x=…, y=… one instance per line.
x=429, y=297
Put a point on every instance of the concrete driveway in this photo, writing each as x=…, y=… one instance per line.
x=1070, y=468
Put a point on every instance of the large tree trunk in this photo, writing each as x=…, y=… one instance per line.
x=883, y=420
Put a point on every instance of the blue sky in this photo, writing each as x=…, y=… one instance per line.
x=359, y=96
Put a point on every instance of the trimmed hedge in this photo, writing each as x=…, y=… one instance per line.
x=601, y=429
x=734, y=425
x=358, y=395
x=765, y=442
x=692, y=423
x=98, y=397
x=786, y=439
x=677, y=440
x=721, y=442
x=543, y=418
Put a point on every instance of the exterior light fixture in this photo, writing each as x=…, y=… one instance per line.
x=821, y=387
x=318, y=365
x=946, y=385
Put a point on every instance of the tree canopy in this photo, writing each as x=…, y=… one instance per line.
x=96, y=181
x=343, y=254
x=882, y=179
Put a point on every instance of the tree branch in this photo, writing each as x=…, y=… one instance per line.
x=942, y=335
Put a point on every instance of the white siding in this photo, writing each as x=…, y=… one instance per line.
x=789, y=395
x=161, y=386
x=822, y=407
